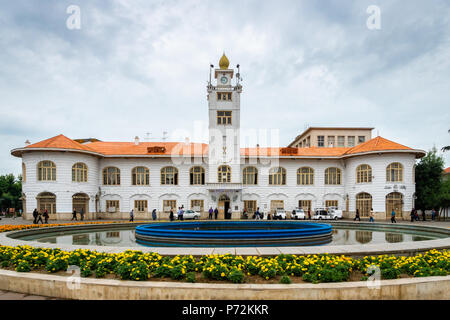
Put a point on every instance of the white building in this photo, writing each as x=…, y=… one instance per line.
x=108, y=179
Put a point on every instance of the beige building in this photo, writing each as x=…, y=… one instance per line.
x=332, y=137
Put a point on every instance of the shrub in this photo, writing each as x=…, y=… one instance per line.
x=190, y=277
x=236, y=276
x=56, y=264
x=23, y=266
x=285, y=280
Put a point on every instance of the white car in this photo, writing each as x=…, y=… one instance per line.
x=336, y=212
x=191, y=214
x=298, y=213
x=279, y=214
x=324, y=214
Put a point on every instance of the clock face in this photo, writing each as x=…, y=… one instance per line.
x=224, y=80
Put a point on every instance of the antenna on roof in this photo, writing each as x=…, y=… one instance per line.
x=147, y=136
x=378, y=133
x=164, y=138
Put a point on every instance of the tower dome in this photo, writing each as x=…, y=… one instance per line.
x=224, y=62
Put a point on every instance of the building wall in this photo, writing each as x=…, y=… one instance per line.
x=263, y=193
x=314, y=133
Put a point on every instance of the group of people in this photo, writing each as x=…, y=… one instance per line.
x=154, y=216
x=371, y=216
x=37, y=216
x=74, y=215
x=415, y=215
x=180, y=214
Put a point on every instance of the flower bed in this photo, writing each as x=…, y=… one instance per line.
x=11, y=227
x=138, y=266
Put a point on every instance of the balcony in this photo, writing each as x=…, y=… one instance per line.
x=224, y=186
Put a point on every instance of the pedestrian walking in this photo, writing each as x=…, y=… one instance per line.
x=82, y=214
x=131, y=215
x=35, y=216
x=257, y=214
x=154, y=214
x=309, y=214
x=416, y=215
x=74, y=215
x=210, y=213
x=372, y=216
x=357, y=216
x=46, y=216
x=433, y=214
x=181, y=213
x=171, y=217
x=216, y=213
x=39, y=218
x=393, y=216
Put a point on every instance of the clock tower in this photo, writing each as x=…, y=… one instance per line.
x=224, y=125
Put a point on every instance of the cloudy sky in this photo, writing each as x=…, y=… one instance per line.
x=141, y=66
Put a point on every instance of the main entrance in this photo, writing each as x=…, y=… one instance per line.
x=80, y=201
x=224, y=205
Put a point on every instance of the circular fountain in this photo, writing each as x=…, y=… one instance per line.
x=233, y=234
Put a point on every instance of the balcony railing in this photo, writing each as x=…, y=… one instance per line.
x=224, y=186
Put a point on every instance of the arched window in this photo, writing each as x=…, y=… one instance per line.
x=277, y=176
x=197, y=175
x=394, y=201
x=46, y=171
x=364, y=204
x=333, y=176
x=305, y=176
x=250, y=175
x=140, y=176
x=111, y=176
x=394, y=172
x=224, y=174
x=46, y=201
x=363, y=173
x=169, y=175
x=24, y=173
x=79, y=172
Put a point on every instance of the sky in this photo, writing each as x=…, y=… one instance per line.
x=138, y=67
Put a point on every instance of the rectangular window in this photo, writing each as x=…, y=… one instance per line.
x=197, y=205
x=305, y=205
x=112, y=206
x=224, y=96
x=351, y=141
x=250, y=206
x=341, y=141
x=320, y=141
x=331, y=141
x=169, y=204
x=276, y=204
x=331, y=203
x=223, y=117
x=140, y=205
x=361, y=139
x=308, y=142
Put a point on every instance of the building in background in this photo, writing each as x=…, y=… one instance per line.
x=332, y=137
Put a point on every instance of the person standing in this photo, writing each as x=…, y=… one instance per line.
x=171, y=214
x=393, y=216
x=154, y=214
x=357, y=216
x=132, y=215
x=46, y=216
x=423, y=215
x=82, y=214
x=413, y=215
x=35, y=215
x=372, y=216
x=216, y=213
x=74, y=215
x=257, y=214
x=210, y=213
x=433, y=214
x=181, y=213
x=309, y=214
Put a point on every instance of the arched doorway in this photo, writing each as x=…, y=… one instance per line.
x=224, y=205
x=363, y=204
x=80, y=201
x=46, y=201
x=394, y=200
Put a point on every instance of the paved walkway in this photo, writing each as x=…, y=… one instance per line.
x=8, y=295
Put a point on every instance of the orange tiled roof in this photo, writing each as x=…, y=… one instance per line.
x=377, y=144
x=60, y=142
x=179, y=148
x=447, y=171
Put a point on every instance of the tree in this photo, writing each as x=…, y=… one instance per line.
x=10, y=191
x=446, y=148
x=429, y=181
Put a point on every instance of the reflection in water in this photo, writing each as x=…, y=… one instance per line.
x=126, y=238
x=394, y=237
x=363, y=236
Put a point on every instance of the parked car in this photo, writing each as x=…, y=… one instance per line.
x=298, y=213
x=324, y=214
x=279, y=214
x=191, y=214
x=336, y=212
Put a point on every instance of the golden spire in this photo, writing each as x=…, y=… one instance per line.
x=224, y=62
